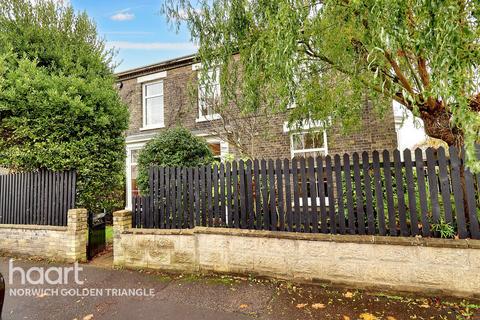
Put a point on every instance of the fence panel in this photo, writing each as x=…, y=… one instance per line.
x=429, y=194
x=42, y=197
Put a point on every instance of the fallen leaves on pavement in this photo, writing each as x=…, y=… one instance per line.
x=367, y=316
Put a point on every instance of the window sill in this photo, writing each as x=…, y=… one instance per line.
x=208, y=118
x=152, y=127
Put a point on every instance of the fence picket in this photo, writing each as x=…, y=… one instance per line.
x=223, y=210
x=250, y=210
x=258, y=198
x=312, y=184
x=264, y=188
x=203, y=195
x=319, y=181
x=235, y=196
x=358, y=193
x=412, y=203
x=349, y=194
x=368, y=193
x=458, y=192
x=209, y=212
x=471, y=203
x=216, y=204
x=288, y=194
x=432, y=184
x=161, y=197
x=196, y=197
x=229, y=204
x=296, y=196
x=243, y=197
x=402, y=212
x=304, y=216
x=330, y=195
x=392, y=224
x=422, y=192
x=339, y=188
x=444, y=185
x=272, y=216
x=281, y=205
x=184, y=197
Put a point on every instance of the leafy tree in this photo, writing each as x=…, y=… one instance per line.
x=59, y=108
x=176, y=147
x=327, y=56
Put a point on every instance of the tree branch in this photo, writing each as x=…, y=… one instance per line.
x=403, y=80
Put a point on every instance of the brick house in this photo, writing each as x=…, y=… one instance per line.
x=159, y=97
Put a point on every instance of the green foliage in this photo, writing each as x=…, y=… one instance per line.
x=327, y=56
x=445, y=229
x=176, y=147
x=59, y=108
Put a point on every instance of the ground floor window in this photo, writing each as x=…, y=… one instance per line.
x=216, y=149
x=311, y=143
x=308, y=144
x=132, y=172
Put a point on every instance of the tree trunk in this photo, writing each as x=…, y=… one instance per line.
x=437, y=125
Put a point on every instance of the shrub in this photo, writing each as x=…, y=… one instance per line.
x=59, y=108
x=175, y=147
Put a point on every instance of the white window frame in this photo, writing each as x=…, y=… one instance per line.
x=207, y=117
x=144, y=106
x=325, y=143
x=324, y=150
x=223, y=146
x=128, y=169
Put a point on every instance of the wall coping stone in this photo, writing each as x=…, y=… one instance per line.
x=160, y=231
x=122, y=213
x=369, y=239
x=33, y=227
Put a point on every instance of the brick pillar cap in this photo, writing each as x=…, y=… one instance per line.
x=122, y=213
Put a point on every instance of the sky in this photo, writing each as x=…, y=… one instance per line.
x=138, y=30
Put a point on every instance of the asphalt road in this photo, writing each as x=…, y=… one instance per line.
x=205, y=297
x=166, y=302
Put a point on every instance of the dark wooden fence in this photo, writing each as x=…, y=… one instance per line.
x=377, y=194
x=42, y=197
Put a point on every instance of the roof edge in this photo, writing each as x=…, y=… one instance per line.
x=162, y=65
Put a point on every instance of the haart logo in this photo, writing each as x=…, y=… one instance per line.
x=42, y=276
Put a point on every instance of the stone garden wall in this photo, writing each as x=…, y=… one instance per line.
x=386, y=263
x=51, y=242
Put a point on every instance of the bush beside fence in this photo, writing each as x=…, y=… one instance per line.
x=357, y=194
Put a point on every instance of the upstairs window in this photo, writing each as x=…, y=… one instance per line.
x=153, y=106
x=209, y=96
